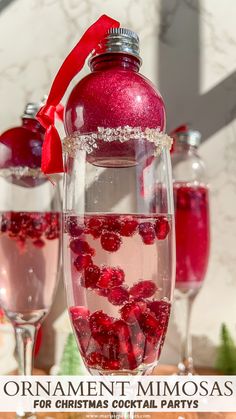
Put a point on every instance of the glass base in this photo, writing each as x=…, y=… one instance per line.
x=143, y=369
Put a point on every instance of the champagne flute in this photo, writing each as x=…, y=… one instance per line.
x=192, y=220
x=29, y=255
x=119, y=255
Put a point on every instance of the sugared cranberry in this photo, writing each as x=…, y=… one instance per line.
x=81, y=247
x=91, y=276
x=162, y=228
x=39, y=243
x=147, y=232
x=143, y=289
x=118, y=296
x=82, y=262
x=128, y=227
x=110, y=241
x=149, y=324
x=132, y=311
x=111, y=277
x=94, y=226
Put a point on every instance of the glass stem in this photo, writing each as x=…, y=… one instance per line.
x=185, y=367
x=25, y=341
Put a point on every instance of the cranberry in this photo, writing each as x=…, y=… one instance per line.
x=79, y=311
x=15, y=224
x=100, y=326
x=94, y=226
x=94, y=358
x=111, y=277
x=132, y=311
x=39, y=243
x=149, y=324
x=147, y=232
x=161, y=310
x=91, y=276
x=128, y=227
x=81, y=247
x=111, y=364
x=112, y=223
x=52, y=233
x=73, y=228
x=38, y=226
x=162, y=228
x=121, y=329
x=4, y=224
x=100, y=321
x=110, y=241
x=143, y=289
x=118, y=296
x=80, y=319
x=82, y=262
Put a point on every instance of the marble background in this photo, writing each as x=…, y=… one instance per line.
x=189, y=52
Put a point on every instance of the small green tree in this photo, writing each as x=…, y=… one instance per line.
x=226, y=359
x=71, y=362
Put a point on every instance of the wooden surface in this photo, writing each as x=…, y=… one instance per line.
x=161, y=370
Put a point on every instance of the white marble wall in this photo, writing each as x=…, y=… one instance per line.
x=189, y=51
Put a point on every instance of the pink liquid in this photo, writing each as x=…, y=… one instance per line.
x=29, y=257
x=119, y=286
x=192, y=234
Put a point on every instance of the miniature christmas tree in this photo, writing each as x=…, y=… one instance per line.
x=226, y=360
x=71, y=363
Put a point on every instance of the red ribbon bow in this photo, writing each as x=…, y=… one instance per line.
x=52, y=161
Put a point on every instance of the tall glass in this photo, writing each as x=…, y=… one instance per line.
x=119, y=254
x=191, y=197
x=29, y=255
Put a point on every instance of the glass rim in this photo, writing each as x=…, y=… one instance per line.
x=87, y=141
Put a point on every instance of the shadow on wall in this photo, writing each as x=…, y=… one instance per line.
x=180, y=76
x=4, y=4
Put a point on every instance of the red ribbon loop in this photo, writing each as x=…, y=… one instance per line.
x=52, y=149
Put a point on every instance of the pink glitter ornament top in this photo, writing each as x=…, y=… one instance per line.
x=21, y=149
x=22, y=146
x=115, y=95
